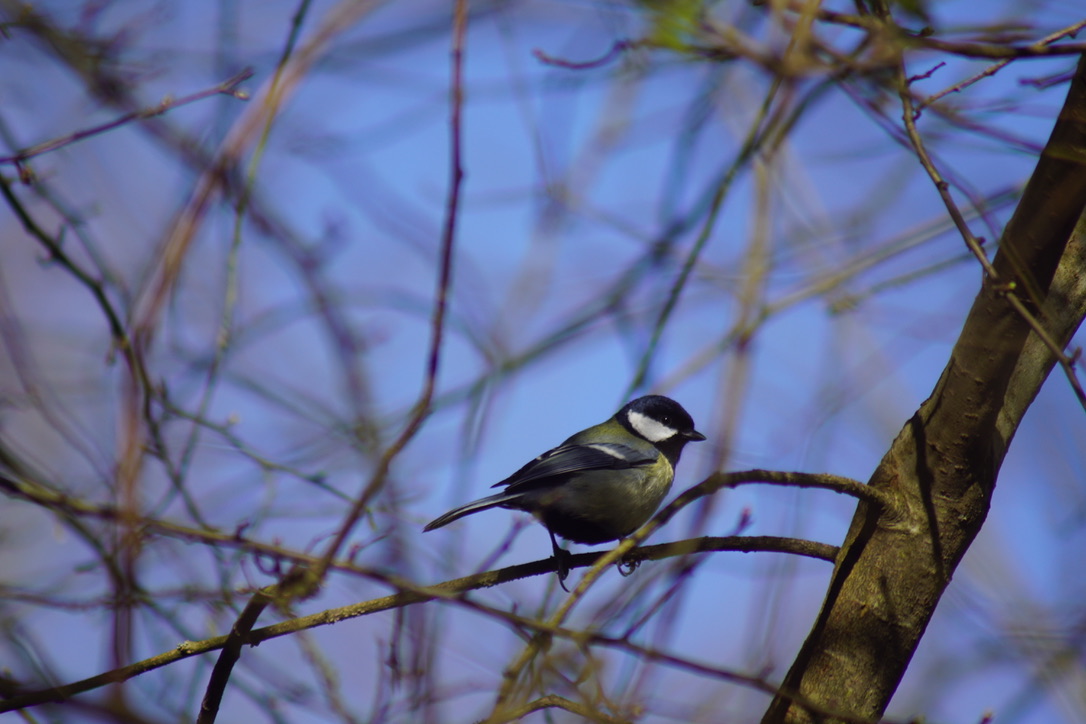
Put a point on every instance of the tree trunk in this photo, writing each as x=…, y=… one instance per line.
x=941, y=470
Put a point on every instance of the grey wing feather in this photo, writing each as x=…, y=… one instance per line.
x=571, y=459
x=542, y=471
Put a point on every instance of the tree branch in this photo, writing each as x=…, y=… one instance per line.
x=408, y=594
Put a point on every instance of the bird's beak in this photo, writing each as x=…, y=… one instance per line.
x=694, y=436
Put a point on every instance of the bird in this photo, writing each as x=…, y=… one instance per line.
x=602, y=483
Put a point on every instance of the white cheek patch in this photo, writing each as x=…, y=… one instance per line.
x=651, y=430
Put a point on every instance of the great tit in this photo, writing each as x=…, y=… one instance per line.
x=601, y=484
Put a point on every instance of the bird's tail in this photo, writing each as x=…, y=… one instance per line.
x=491, y=501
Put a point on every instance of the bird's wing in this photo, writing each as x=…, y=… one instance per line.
x=569, y=459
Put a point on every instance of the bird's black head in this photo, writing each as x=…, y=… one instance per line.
x=661, y=421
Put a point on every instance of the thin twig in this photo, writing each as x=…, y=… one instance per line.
x=227, y=87
x=991, y=70
x=617, y=48
x=998, y=50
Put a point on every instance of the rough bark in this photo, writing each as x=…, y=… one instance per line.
x=941, y=470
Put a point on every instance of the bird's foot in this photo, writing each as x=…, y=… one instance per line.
x=561, y=562
x=627, y=565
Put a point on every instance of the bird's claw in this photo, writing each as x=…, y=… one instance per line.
x=627, y=565
x=561, y=563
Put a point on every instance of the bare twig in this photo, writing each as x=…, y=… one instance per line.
x=991, y=70
x=998, y=50
x=620, y=46
x=227, y=87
